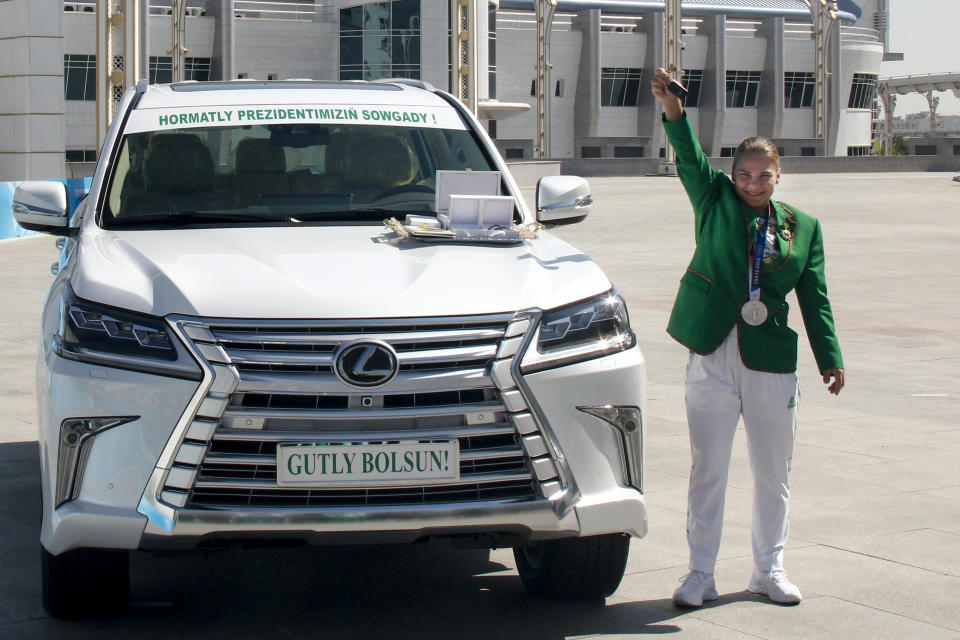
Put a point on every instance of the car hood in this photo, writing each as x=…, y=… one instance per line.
x=324, y=272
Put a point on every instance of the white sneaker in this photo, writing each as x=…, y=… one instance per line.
x=776, y=586
x=697, y=587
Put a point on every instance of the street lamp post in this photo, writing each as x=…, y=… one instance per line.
x=178, y=51
x=824, y=17
x=673, y=48
x=545, y=10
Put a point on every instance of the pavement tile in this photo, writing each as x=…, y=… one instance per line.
x=8, y=616
x=924, y=596
x=29, y=629
x=843, y=518
x=897, y=477
x=949, y=493
x=819, y=617
x=13, y=430
x=886, y=446
x=931, y=549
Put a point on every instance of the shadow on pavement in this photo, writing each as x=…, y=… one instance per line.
x=396, y=591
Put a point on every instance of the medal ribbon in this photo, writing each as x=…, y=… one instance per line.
x=758, y=251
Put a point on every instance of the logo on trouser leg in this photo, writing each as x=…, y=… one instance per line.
x=793, y=403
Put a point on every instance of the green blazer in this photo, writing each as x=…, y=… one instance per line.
x=715, y=284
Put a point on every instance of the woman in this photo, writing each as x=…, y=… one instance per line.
x=731, y=313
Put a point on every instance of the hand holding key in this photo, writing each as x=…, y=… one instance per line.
x=670, y=96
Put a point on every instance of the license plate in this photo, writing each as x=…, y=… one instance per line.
x=329, y=464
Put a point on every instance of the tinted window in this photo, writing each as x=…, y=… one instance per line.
x=283, y=173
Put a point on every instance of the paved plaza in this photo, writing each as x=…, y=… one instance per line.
x=875, y=518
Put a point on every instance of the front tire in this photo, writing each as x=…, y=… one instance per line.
x=85, y=583
x=574, y=568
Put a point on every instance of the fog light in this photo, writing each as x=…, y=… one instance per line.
x=628, y=421
x=76, y=440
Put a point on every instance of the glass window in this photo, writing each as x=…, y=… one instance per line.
x=858, y=151
x=380, y=40
x=79, y=77
x=862, y=91
x=196, y=69
x=799, y=88
x=161, y=69
x=742, y=88
x=628, y=152
x=693, y=81
x=283, y=174
x=619, y=86
x=492, y=51
x=80, y=155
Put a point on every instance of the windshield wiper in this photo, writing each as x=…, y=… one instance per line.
x=366, y=214
x=183, y=218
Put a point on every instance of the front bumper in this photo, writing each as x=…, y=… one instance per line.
x=120, y=502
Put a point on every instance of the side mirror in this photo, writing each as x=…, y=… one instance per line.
x=563, y=199
x=42, y=206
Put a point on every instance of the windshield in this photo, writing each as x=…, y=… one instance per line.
x=283, y=173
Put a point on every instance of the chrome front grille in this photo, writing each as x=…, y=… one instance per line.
x=275, y=383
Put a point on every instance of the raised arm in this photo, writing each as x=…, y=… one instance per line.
x=699, y=179
x=672, y=107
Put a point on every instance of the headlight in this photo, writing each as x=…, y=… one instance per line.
x=111, y=337
x=580, y=331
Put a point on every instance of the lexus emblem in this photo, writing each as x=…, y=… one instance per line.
x=366, y=364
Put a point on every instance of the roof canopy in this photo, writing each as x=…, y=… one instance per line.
x=921, y=84
x=736, y=8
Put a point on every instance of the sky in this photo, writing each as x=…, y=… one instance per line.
x=927, y=32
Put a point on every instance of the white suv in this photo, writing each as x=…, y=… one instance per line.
x=235, y=348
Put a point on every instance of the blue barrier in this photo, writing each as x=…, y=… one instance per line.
x=77, y=188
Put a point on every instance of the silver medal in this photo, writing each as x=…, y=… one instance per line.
x=754, y=313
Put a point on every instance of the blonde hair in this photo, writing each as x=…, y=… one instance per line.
x=756, y=144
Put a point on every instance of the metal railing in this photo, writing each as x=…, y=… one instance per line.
x=527, y=21
x=292, y=11
x=798, y=30
x=859, y=34
x=742, y=28
x=281, y=11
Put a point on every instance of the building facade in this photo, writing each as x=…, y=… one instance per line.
x=749, y=65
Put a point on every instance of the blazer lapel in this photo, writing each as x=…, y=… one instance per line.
x=786, y=223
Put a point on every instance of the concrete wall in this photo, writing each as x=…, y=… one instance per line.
x=295, y=50
x=31, y=90
x=528, y=172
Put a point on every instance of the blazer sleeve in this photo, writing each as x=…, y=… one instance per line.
x=699, y=179
x=815, y=307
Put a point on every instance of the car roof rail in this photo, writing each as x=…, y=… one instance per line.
x=420, y=84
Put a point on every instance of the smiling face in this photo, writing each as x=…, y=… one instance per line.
x=755, y=176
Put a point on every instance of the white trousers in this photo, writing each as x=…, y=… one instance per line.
x=719, y=389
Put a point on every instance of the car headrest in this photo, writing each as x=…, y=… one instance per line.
x=177, y=162
x=374, y=161
x=257, y=155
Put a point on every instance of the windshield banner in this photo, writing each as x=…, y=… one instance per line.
x=189, y=117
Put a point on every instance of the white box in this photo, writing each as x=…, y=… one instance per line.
x=468, y=183
x=481, y=212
